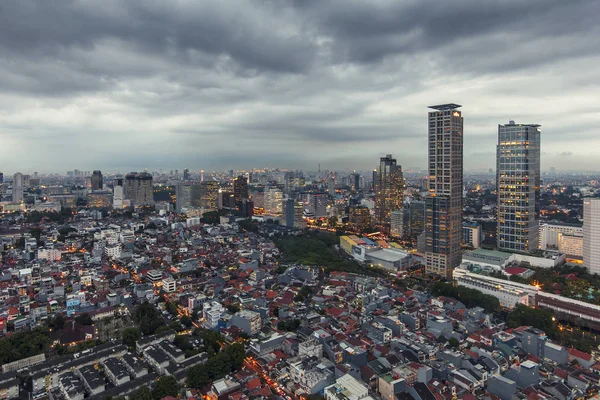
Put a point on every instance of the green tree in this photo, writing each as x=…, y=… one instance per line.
x=84, y=319
x=166, y=386
x=142, y=393
x=453, y=342
x=186, y=321
x=148, y=318
x=58, y=322
x=131, y=336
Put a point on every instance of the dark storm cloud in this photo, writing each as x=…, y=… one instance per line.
x=339, y=81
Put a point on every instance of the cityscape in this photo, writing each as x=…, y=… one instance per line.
x=249, y=209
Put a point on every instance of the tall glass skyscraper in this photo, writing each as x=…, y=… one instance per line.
x=443, y=206
x=518, y=186
x=389, y=191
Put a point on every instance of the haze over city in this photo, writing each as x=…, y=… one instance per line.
x=236, y=84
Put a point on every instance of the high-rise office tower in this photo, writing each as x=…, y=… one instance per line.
x=138, y=188
x=331, y=184
x=354, y=182
x=118, y=193
x=518, y=186
x=1, y=178
x=416, y=218
x=209, y=193
x=186, y=174
x=240, y=188
x=443, y=206
x=183, y=196
x=97, y=180
x=17, y=188
x=273, y=198
x=288, y=181
x=389, y=191
x=591, y=234
x=319, y=204
x=399, y=222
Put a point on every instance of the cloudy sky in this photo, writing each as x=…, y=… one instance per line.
x=125, y=85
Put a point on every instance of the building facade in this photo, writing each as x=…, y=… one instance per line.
x=389, y=191
x=138, y=188
x=97, y=180
x=443, y=206
x=17, y=188
x=472, y=234
x=518, y=186
x=591, y=234
x=240, y=188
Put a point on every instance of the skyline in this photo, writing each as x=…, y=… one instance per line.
x=289, y=85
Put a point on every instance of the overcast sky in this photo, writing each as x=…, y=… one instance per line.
x=128, y=85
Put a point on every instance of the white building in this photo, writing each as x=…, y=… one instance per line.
x=113, y=251
x=118, y=195
x=571, y=245
x=212, y=314
x=310, y=348
x=169, y=285
x=591, y=234
x=194, y=221
x=348, y=387
x=472, y=234
x=508, y=293
x=49, y=254
x=273, y=201
x=549, y=234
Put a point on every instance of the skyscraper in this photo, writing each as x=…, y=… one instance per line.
x=240, y=188
x=389, y=191
x=331, y=184
x=138, y=188
x=209, y=193
x=1, y=178
x=518, y=186
x=97, y=180
x=118, y=193
x=186, y=174
x=591, y=234
x=443, y=206
x=273, y=198
x=17, y=188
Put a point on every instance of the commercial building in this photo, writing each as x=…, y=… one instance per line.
x=169, y=285
x=390, y=259
x=591, y=234
x=273, y=199
x=508, y=293
x=187, y=195
x=318, y=202
x=240, y=188
x=399, y=222
x=571, y=245
x=389, y=191
x=118, y=193
x=97, y=181
x=359, y=217
x=416, y=210
x=472, y=234
x=248, y=321
x=443, y=206
x=138, y=188
x=17, y=188
x=346, y=387
x=549, y=233
x=518, y=185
